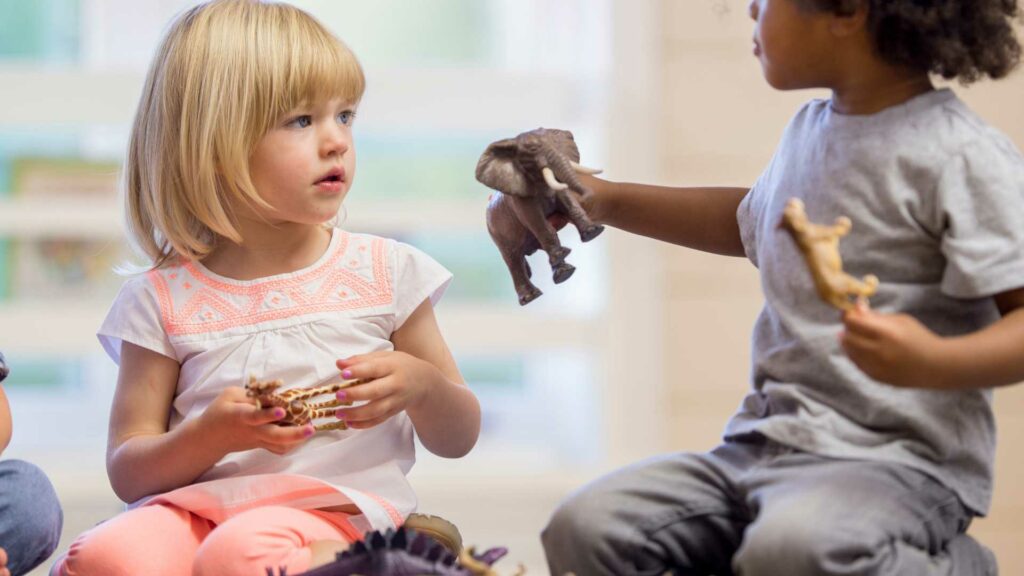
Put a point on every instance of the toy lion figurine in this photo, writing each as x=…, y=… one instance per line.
x=820, y=247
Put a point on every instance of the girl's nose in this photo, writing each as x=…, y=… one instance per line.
x=335, y=140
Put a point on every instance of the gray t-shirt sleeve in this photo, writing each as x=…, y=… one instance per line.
x=981, y=205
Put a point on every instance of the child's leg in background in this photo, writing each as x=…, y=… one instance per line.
x=30, y=516
x=818, y=516
x=155, y=540
x=271, y=536
x=676, y=512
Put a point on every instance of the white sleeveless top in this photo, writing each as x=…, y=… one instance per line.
x=291, y=327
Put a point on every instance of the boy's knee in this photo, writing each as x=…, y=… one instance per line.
x=580, y=518
x=790, y=541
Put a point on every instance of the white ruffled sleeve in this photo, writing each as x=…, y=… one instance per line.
x=417, y=278
x=135, y=317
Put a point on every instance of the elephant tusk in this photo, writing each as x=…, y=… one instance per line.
x=584, y=169
x=549, y=177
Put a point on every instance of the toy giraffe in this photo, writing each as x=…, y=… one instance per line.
x=298, y=411
x=820, y=248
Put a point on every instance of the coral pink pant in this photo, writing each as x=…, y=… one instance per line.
x=164, y=540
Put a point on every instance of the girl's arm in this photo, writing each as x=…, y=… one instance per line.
x=899, y=350
x=447, y=419
x=420, y=377
x=5, y=421
x=143, y=458
x=698, y=218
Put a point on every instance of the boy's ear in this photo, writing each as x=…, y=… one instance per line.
x=851, y=21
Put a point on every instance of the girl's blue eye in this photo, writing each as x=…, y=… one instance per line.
x=301, y=121
x=346, y=117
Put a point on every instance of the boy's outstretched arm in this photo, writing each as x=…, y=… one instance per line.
x=699, y=218
x=899, y=350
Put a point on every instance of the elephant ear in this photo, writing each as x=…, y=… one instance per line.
x=497, y=169
x=563, y=141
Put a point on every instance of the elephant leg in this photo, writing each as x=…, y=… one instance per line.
x=578, y=216
x=532, y=216
x=520, y=271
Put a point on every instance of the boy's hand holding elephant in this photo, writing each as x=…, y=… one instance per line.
x=536, y=173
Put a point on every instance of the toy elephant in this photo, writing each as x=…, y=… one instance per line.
x=536, y=175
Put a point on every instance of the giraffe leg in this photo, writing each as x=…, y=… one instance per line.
x=339, y=425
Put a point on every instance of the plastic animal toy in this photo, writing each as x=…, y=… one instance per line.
x=405, y=552
x=298, y=410
x=820, y=248
x=535, y=173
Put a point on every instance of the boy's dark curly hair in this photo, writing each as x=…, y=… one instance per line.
x=964, y=39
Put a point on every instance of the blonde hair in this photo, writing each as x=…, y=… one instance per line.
x=226, y=73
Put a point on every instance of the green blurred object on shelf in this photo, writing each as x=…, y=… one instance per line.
x=39, y=31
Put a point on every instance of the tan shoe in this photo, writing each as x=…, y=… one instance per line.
x=437, y=528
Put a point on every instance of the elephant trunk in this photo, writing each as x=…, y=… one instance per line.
x=562, y=167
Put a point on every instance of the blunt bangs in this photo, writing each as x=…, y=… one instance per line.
x=305, y=64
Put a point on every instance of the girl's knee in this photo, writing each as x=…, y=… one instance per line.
x=147, y=540
x=252, y=542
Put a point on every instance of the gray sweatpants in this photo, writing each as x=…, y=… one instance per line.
x=30, y=516
x=757, y=508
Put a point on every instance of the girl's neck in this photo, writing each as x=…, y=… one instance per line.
x=874, y=89
x=280, y=250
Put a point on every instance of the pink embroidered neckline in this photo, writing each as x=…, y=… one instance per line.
x=213, y=305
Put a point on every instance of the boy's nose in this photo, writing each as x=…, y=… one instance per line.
x=753, y=9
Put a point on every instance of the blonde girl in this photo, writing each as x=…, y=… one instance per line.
x=240, y=157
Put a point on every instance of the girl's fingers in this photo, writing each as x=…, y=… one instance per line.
x=369, y=391
x=371, y=369
x=367, y=412
x=369, y=423
x=259, y=417
x=286, y=435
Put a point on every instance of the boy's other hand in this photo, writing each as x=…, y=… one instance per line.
x=893, y=348
x=3, y=563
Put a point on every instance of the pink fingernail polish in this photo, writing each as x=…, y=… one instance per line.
x=346, y=374
x=339, y=415
x=278, y=413
x=342, y=395
x=308, y=432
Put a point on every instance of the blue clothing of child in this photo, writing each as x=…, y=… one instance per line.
x=30, y=516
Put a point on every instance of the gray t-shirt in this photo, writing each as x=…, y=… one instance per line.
x=936, y=197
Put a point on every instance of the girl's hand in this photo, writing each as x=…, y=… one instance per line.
x=3, y=563
x=233, y=422
x=893, y=348
x=397, y=381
